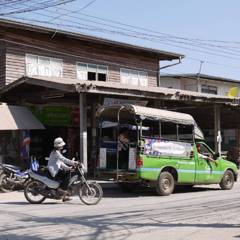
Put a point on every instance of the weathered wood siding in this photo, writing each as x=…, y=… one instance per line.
x=71, y=52
x=2, y=63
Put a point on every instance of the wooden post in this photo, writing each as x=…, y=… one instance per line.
x=83, y=129
x=217, y=129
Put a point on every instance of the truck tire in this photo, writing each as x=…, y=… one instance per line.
x=227, y=181
x=165, y=184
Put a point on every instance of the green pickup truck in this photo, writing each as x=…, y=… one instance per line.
x=158, y=148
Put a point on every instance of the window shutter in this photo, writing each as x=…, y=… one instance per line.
x=82, y=71
x=44, y=66
x=143, y=79
x=134, y=78
x=31, y=65
x=125, y=76
x=56, y=67
x=102, y=69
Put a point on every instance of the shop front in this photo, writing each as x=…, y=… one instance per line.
x=16, y=125
x=59, y=121
x=71, y=114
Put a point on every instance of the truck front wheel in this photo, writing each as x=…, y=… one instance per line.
x=165, y=184
x=227, y=180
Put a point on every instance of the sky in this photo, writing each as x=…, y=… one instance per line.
x=201, y=30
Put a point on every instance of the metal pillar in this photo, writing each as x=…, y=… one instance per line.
x=94, y=137
x=217, y=129
x=83, y=129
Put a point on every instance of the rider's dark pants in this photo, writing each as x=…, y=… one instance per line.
x=63, y=178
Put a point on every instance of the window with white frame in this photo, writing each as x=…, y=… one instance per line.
x=43, y=66
x=133, y=77
x=209, y=89
x=91, y=72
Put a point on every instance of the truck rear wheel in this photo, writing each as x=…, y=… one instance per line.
x=227, y=180
x=165, y=185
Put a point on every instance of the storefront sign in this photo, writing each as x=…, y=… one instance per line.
x=57, y=115
x=156, y=147
x=117, y=101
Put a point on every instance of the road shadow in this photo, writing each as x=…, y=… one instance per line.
x=148, y=191
x=26, y=203
x=18, y=237
x=117, y=225
x=139, y=191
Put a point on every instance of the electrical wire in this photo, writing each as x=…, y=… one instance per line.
x=41, y=6
x=162, y=38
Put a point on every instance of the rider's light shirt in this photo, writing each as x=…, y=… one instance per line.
x=57, y=161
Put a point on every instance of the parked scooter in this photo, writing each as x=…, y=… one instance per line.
x=41, y=187
x=12, y=178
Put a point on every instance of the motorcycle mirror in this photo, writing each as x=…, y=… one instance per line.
x=64, y=150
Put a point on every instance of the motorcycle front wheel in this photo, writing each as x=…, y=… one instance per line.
x=5, y=186
x=32, y=192
x=91, y=193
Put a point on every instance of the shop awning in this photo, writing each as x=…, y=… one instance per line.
x=17, y=118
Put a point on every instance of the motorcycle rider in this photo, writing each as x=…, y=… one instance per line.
x=58, y=166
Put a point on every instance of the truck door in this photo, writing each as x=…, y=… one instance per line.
x=187, y=168
x=206, y=171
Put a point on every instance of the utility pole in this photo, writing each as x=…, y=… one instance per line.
x=198, y=77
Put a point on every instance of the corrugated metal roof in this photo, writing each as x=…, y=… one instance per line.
x=162, y=55
x=154, y=113
x=181, y=118
x=74, y=85
x=203, y=76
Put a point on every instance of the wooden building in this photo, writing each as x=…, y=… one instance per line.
x=34, y=51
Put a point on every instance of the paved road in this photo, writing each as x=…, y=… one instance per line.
x=203, y=213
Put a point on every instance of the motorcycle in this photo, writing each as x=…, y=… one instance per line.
x=12, y=177
x=40, y=187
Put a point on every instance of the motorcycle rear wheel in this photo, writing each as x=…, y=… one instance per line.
x=32, y=194
x=4, y=185
x=90, y=195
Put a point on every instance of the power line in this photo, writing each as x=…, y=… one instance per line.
x=75, y=11
x=153, y=37
x=94, y=28
x=130, y=34
x=229, y=52
x=41, y=6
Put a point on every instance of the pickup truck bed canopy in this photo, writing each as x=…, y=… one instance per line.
x=151, y=113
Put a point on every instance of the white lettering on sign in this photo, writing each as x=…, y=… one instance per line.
x=117, y=101
x=157, y=147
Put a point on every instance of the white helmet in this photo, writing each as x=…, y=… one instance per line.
x=58, y=142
